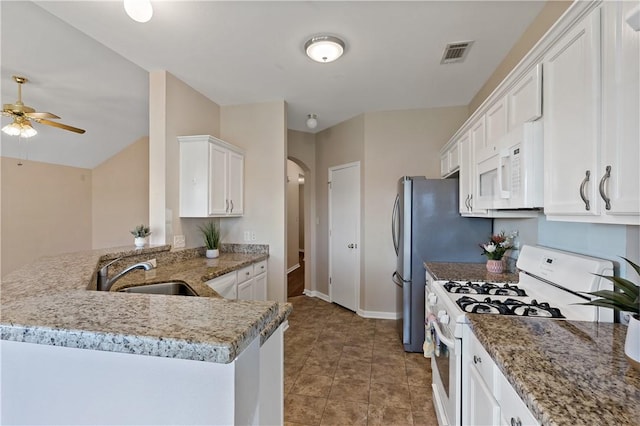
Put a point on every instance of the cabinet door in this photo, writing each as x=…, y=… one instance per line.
x=194, y=169
x=245, y=290
x=483, y=408
x=465, y=174
x=496, y=122
x=571, y=120
x=236, y=183
x=621, y=111
x=218, y=184
x=479, y=146
x=524, y=100
x=260, y=287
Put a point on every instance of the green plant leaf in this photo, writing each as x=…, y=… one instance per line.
x=623, y=284
x=633, y=265
x=613, y=296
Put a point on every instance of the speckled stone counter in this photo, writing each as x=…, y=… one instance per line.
x=566, y=372
x=467, y=272
x=50, y=302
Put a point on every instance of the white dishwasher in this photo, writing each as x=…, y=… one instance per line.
x=225, y=285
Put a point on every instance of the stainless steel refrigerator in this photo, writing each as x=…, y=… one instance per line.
x=428, y=228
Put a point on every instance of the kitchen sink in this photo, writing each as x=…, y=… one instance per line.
x=174, y=288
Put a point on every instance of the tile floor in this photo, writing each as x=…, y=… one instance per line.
x=341, y=369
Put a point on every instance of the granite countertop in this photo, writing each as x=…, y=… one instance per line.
x=467, y=272
x=566, y=372
x=51, y=302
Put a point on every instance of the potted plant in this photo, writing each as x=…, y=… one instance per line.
x=211, y=235
x=626, y=299
x=494, y=250
x=139, y=233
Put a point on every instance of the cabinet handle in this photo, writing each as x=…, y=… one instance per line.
x=477, y=359
x=603, y=193
x=470, y=202
x=227, y=209
x=466, y=202
x=583, y=195
x=231, y=207
x=516, y=422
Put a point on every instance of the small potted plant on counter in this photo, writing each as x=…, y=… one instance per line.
x=211, y=235
x=140, y=233
x=624, y=298
x=494, y=250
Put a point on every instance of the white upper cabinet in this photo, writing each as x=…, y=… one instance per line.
x=524, y=100
x=450, y=160
x=619, y=172
x=592, y=105
x=572, y=120
x=496, y=122
x=211, y=177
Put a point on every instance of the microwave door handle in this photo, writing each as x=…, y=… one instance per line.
x=394, y=217
x=449, y=342
x=503, y=194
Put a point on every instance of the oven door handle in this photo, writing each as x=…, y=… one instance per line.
x=451, y=344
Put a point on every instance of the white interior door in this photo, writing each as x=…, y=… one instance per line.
x=344, y=235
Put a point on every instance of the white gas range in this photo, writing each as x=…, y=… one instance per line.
x=551, y=283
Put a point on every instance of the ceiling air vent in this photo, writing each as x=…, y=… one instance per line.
x=456, y=52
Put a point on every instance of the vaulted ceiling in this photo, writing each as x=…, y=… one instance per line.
x=88, y=62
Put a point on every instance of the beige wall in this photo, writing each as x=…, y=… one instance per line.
x=261, y=130
x=46, y=209
x=175, y=109
x=293, y=213
x=545, y=19
x=120, y=195
x=340, y=144
x=397, y=143
x=301, y=148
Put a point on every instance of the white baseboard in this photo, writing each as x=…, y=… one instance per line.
x=313, y=293
x=360, y=312
x=293, y=268
x=379, y=315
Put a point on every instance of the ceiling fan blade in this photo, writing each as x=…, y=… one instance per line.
x=59, y=125
x=41, y=115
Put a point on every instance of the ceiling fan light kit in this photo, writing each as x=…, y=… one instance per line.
x=139, y=10
x=22, y=129
x=23, y=114
x=324, y=48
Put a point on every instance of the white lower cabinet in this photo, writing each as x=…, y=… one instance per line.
x=487, y=397
x=248, y=283
x=260, y=281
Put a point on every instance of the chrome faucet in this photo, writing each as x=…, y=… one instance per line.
x=105, y=283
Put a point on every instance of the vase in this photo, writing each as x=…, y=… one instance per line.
x=212, y=254
x=632, y=343
x=139, y=242
x=495, y=266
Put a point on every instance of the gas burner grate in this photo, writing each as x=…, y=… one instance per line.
x=484, y=288
x=508, y=307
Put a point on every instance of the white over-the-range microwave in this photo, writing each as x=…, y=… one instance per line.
x=511, y=177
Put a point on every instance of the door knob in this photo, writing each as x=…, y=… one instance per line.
x=350, y=245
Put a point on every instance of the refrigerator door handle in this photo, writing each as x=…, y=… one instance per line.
x=394, y=217
x=394, y=278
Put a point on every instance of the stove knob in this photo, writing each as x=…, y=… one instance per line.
x=432, y=299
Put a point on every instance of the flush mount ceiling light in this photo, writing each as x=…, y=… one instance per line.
x=324, y=48
x=312, y=121
x=139, y=10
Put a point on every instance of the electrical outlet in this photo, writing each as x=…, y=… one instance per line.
x=153, y=262
x=253, y=236
x=247, y=235
x=178, y=241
